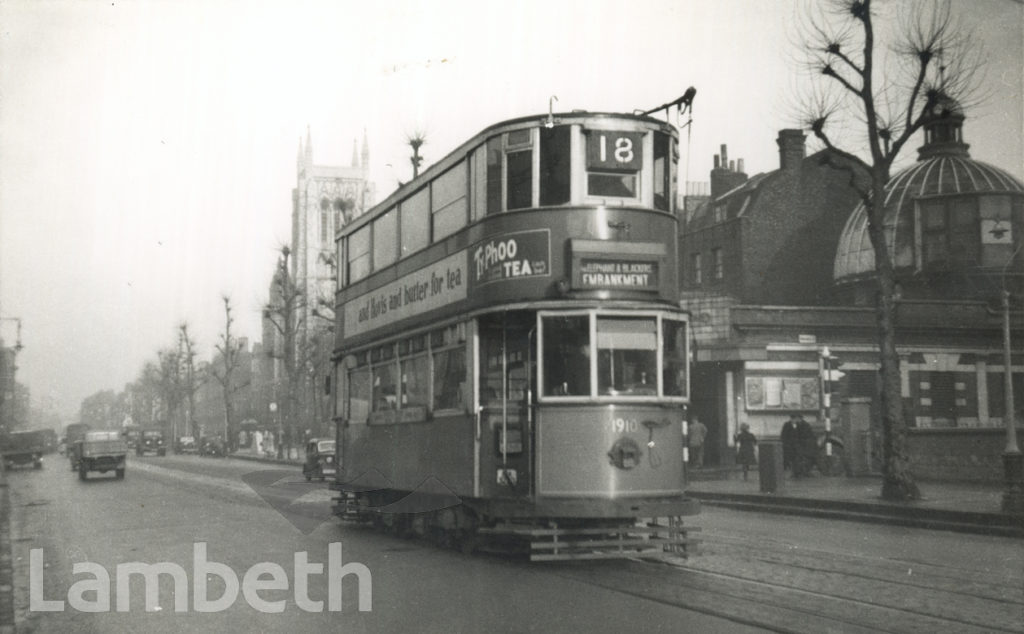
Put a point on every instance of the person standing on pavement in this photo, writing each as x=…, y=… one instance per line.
x=696, y=434
x=788, y=438
x=806, y=449
x=745, y=443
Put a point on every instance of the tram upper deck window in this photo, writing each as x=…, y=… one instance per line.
x=664, y=167
x=510, y=171
x=359, y=254
x=415, y=224
x=555, y=168
x=627, y=356
x=614, y=160
x=385, y=243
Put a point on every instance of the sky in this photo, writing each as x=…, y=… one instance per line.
x=147, y=149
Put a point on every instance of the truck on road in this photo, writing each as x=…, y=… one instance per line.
x=102, y=451
x=23, y=447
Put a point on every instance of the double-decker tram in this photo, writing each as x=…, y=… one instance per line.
x=511, y=363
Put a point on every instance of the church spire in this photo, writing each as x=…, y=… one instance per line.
x=309, y=146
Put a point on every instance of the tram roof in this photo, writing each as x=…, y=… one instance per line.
x=449, y=159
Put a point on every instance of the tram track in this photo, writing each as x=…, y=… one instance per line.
x=798, y=597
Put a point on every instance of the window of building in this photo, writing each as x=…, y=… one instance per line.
x=385, y=239
x=448, y=204
x=415, y=226
x=554, y=165
x=718, y=262
x=359, y=262
x=325, y=222
x=695, y=269
x=998, y=235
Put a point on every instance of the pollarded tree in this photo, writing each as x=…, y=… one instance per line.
x=879, y=70
x=224, y=370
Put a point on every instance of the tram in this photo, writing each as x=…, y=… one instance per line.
x=510, y=361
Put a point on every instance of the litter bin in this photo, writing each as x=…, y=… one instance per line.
x=769, y=465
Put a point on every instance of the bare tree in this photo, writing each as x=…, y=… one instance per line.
x=190, y=378
x=880, y=97
x=285, y=313
x=416, y=141
x=224, y=371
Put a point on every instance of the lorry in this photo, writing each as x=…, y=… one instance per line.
x=73, y=433
x=23, y=447
x=101, y=451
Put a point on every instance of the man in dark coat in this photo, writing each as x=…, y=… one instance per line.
x=806, y=448
x=788, y=438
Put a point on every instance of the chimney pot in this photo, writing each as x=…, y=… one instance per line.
x=716, y=161
x=739, y=165
x=725, y=155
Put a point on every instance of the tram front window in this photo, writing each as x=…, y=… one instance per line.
x=567, y=356
x=627, y=356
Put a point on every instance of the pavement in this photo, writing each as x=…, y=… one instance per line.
x=956, y=506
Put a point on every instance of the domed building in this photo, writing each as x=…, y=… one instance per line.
x=949, y=224
x=779, y=274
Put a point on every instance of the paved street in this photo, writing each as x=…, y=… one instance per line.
x=754, y=573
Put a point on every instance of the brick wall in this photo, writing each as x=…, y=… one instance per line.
x=964, y=455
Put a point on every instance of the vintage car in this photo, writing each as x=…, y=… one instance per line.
x=150, y=441
x=212, y=446
x=102, y=451
x=321, y=461
x=185, y=444
x=23, y=447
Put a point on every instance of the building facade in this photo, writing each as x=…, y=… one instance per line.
x=778, y=270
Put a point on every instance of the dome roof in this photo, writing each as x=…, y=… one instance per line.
x=944, y=168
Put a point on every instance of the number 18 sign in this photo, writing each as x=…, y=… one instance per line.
x=610, y=150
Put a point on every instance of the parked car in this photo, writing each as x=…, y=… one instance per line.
x=23, y=447
x=185, y=444
x=150, y=440
x=321, y=459
x=212, y=446
x=102, y=451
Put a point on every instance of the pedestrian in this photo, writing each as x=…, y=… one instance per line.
x=745, y=443
x=788, y=437
x=696, y=433
x=806, y=448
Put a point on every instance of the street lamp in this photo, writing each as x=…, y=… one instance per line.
x=1013, y=461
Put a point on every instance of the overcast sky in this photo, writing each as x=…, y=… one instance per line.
x=147, y=149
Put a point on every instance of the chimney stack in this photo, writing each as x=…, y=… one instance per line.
x=791, y=149
x=725, y=176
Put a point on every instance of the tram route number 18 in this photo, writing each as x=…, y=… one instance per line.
x=614, y=150
x=624, y=425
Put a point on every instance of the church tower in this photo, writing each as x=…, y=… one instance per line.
x=324, y=199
